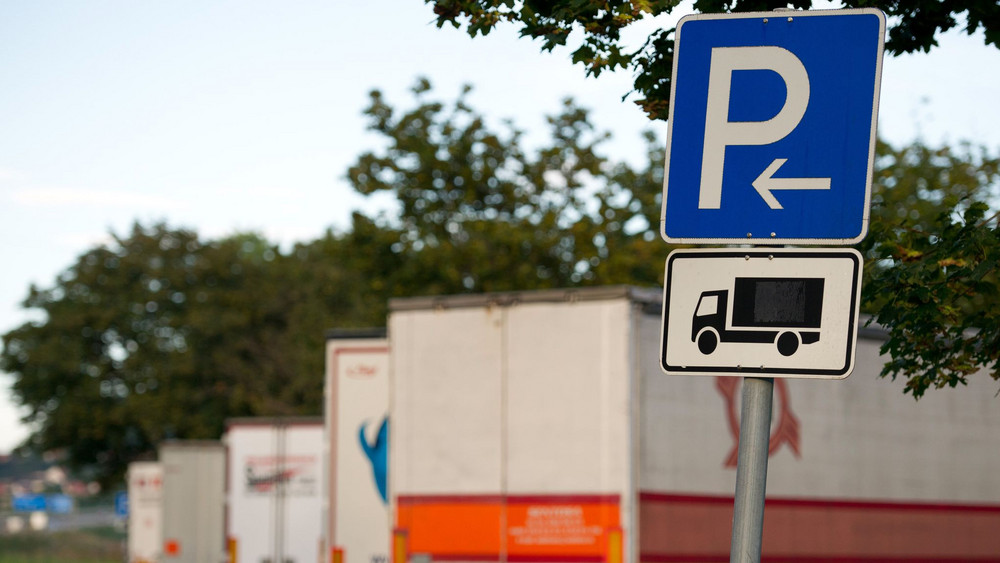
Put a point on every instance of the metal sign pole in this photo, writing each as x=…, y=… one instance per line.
x=751, y=470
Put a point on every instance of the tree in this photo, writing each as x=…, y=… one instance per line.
x=160, y=335
x=479, y=212
x=913, y=26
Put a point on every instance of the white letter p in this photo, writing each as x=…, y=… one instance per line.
x=720, y=132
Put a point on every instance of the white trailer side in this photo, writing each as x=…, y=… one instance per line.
x=857, y=470
x=356, y=412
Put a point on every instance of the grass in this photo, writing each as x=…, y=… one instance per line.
x=96, y=545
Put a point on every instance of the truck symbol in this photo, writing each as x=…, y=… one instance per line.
x=783, y=311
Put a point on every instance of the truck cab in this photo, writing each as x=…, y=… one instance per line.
x=709, y=314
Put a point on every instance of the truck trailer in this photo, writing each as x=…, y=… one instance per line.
x=356, y=506
x=144, y=481
x=193, y=519
x=274, y=489
x=538, y=426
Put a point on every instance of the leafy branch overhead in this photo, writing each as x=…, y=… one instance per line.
x=943, y=306
x=934, y=251
x=594, y=28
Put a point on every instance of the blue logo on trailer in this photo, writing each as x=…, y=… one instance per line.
x=772, y=127
x=377, y=453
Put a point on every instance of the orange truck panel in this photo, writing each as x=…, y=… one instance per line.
x=517, y=528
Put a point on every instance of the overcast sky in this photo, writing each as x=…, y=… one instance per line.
x=231, y=116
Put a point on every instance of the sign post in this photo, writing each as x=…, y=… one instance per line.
x=751, y=469
x=771, y=141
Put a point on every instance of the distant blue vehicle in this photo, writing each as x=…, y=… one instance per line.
x=28, y=503
x=59, y=504
x=121, y=504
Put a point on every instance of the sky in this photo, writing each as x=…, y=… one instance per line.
x=234, y=116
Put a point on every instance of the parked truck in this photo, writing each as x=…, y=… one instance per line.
x=356, y=507
x=274, y=490
x=193, y=518
x=537, y=426
x=145, y=512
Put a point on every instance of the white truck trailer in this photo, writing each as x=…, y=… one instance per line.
x=144, y=482
x=538, y=426
x=357, y=423
x=274, y=493
x=193, y=520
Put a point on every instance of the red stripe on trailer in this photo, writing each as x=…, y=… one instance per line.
x=697, y=529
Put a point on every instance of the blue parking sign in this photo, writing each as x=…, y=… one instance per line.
x=772, y=127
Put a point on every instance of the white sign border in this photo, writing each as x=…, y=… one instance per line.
x=784, y=253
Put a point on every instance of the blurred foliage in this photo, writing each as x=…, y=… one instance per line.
x=480, y=212
x=595, y=28
x=934, y=250
x=161, y=334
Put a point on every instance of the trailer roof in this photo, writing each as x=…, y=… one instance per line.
x=642, y=295
x=355, y=333
x=273, y=421
x=174, y=444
